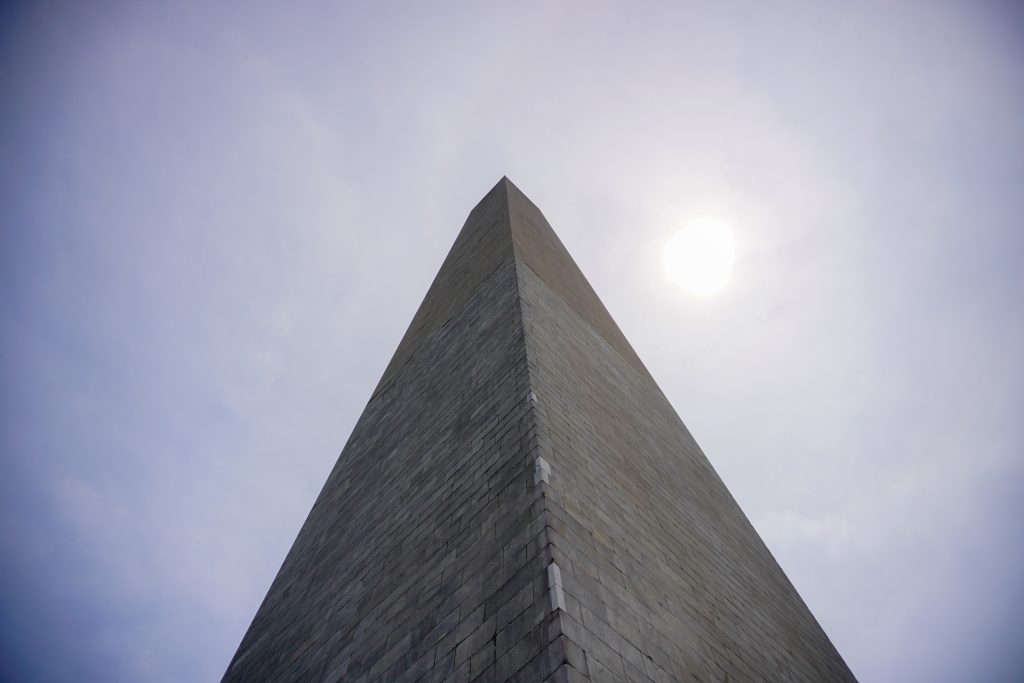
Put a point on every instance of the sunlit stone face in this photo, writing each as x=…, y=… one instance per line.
x=699, y=257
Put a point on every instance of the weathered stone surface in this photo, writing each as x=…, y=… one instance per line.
x=515, y=428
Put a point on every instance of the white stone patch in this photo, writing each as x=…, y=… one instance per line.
x=555, y=588
x=541, y=471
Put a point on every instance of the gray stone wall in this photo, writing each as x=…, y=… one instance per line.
x=425, y=557
x=664, y=577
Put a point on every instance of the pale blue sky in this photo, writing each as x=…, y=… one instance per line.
x=218, y=221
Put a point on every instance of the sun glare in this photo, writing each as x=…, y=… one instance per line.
x=699, y=257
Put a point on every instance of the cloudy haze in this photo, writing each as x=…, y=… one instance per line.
x=217, y=222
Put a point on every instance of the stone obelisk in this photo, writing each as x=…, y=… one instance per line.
x=519, y=501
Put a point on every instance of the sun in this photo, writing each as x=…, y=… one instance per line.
x=699, y=257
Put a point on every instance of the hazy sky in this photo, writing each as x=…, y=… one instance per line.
x=217, y=222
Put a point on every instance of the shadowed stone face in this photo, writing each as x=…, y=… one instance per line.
x=519, y=501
